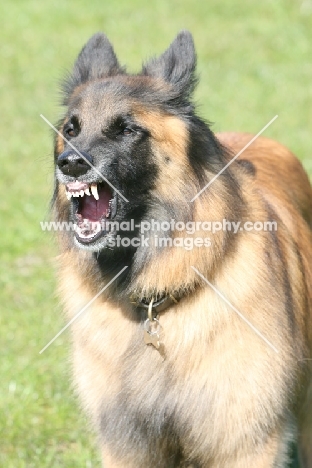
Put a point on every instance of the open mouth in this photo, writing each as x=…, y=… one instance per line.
x=93, y=205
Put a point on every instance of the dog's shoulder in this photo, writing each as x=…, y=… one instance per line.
x=277, y=172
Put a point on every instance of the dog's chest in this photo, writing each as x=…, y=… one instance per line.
x=188, y=402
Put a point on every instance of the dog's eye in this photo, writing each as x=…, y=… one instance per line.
x=126, y=131
x=70, y=132
x=71, y=128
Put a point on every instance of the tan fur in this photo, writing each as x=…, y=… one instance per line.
x=271, y=158
x=59, y=144
x=170, y=137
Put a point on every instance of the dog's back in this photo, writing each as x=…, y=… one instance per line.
x=283, y=183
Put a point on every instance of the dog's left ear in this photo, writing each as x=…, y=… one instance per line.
x=96, y=60
x=176, y=65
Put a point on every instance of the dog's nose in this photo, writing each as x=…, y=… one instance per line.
x=74, y=164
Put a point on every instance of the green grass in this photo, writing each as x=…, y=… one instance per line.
x=254, y=60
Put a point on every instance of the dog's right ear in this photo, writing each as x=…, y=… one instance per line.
x=96, y=60
x=176, y=65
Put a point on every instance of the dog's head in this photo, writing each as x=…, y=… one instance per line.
x=130, y=146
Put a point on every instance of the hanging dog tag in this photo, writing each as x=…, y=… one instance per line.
x=151, y=333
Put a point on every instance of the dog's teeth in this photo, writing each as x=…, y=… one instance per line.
x=94, y=191
x=68, y=195
x=87, y=191
x=82, y=193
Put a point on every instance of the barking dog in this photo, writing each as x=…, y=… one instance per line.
x=195, y=348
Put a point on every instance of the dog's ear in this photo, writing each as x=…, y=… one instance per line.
x=176, y=65
x=96, y=60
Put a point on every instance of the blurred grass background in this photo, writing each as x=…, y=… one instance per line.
x=254, y=61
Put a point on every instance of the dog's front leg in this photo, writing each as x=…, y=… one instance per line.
x=274, y=453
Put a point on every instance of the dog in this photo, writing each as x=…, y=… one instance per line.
x=192, y=347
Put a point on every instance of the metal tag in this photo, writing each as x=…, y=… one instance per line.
x=152, y=333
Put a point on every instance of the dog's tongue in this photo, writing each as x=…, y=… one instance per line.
x=92, y=209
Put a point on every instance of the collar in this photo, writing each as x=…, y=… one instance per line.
x=149, y=309
x=159, y=304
